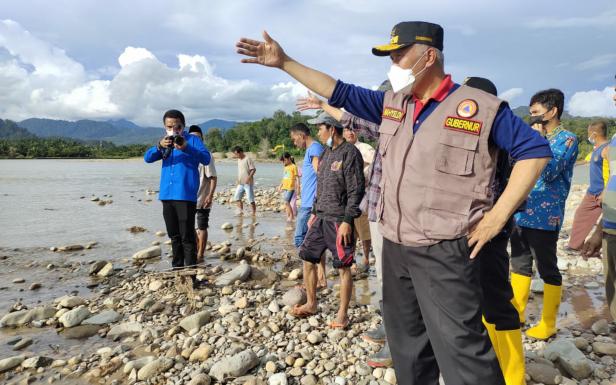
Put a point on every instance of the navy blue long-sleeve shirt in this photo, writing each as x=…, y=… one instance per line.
x=509, y=132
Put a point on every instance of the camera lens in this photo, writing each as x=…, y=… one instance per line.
x=179, y=140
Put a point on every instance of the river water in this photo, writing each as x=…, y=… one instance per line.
x=46, y=203
x=41, y=201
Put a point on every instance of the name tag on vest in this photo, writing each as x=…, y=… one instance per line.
x=468, y=126
x=393, y=114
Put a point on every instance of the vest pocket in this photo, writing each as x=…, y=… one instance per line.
x=456, y=152
x=445, y=214
x=387, y=130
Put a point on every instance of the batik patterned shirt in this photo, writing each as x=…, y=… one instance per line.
x=545, y=207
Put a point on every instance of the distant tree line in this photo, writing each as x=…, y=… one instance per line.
x=579, y=126
x=259, y=136
x=66, y=148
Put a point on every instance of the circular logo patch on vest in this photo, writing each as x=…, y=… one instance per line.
x=467, y=108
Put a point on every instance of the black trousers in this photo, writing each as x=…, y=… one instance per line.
x=180, y=221
x=432, y=309
x=528, y=244
x=494, y=278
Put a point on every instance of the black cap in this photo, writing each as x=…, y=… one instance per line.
x=194, y=128
x=481, y=84
x=410, y=32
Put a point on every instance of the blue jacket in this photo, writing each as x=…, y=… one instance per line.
x=179, y=176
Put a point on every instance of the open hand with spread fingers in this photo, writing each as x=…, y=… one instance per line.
x=310, y=102
x=268, y=52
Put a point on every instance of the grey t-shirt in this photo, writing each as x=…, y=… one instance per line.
x=206, y=173
x=243, y=168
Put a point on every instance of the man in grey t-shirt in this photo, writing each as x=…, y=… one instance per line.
x=205, y=197
x=245, y=181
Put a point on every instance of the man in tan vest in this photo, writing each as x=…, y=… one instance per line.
x=500, y=316
x=438, y=142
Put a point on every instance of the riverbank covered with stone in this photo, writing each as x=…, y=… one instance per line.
x=141, y=324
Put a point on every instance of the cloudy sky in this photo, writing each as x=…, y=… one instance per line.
x=75, y=59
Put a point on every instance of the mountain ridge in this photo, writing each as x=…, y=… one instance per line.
x=117, y=131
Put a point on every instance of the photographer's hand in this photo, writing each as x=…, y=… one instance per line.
x=182, y=147
x=165, y=142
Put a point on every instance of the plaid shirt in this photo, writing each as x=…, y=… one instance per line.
x=370, y=131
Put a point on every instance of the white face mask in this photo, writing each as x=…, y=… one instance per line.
x=170, y=133
x=400, y=77
x=330, y=142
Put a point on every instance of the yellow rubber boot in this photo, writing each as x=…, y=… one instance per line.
x=521, y=290
x=491, y=328
x=511, y=356
x=546, y=328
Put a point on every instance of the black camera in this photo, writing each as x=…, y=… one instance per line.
x=177, y=139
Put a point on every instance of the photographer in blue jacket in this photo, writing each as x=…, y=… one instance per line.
x=179, y=182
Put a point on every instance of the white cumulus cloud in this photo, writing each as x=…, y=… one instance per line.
x=41, y=80
x=593, y=103
x=134, y=54
x=511, y=94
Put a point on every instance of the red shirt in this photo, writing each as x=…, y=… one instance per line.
x=439, y=95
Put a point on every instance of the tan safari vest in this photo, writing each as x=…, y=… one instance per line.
x=436, y=183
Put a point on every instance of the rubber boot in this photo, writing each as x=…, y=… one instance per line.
x=546, y=328
x=376, y=335
x=521, y=290
x=381, y=359
x=511, y=356
x=491, y=328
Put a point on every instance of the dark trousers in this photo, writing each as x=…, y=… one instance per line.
x=609, y=271
x=180, y=221
x=528, y=244
x=432, y=309
x=494, y=277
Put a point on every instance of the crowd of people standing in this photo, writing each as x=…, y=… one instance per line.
x=455, y=179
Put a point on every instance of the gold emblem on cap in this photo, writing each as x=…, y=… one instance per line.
x=467, y=108
x=394, y=40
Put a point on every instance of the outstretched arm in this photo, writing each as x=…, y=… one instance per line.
x=312, y=102
x=361, y=126
x=269, y=53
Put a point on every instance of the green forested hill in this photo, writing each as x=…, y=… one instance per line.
x=10, y=130
x=259, y=136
